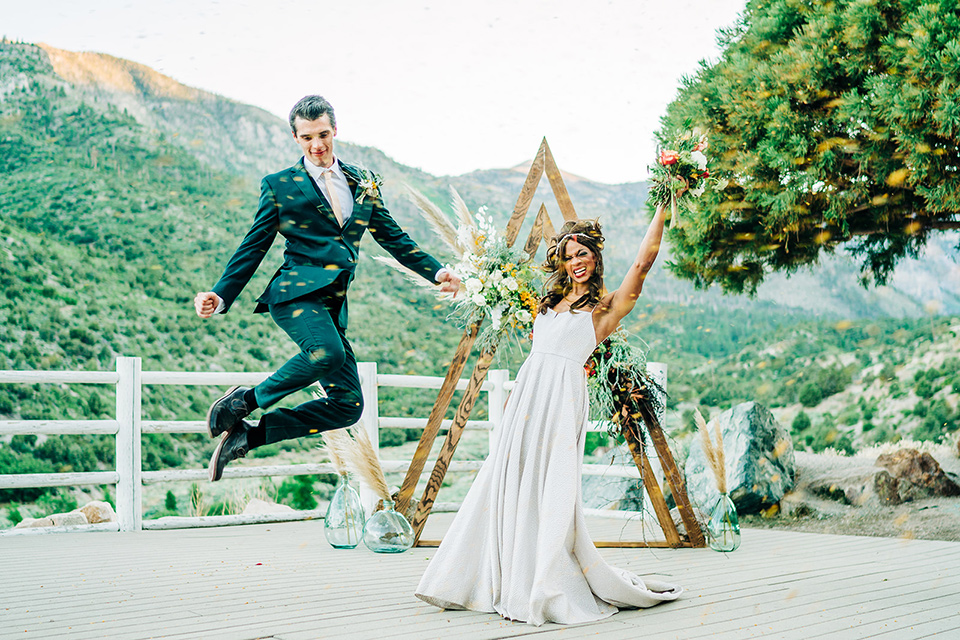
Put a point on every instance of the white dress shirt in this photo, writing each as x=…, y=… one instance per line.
x=344, y=195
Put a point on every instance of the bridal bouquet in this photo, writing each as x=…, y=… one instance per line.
x=680, y=173
x=496, y=279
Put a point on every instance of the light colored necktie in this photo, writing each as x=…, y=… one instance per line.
x=332, y=195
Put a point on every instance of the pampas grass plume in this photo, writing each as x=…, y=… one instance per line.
x=336, y=444
x=363, y=459
x=713, y=452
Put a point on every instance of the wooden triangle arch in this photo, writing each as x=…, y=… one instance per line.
x=542, y=230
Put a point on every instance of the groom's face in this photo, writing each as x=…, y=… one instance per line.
x=315, y=137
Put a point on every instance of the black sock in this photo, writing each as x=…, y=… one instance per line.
x=250, y=399
x=256, y=437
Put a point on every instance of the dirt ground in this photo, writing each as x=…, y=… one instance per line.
x=926, y=519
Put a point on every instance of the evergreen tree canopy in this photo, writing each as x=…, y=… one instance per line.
x=836, y=122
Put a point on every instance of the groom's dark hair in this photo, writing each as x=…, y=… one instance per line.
x=311, y=108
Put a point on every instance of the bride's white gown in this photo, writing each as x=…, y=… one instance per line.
x=519, y=545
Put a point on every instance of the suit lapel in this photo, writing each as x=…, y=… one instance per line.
x=309, y=189
x=361, y=211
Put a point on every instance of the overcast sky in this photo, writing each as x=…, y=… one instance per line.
x=448, y=87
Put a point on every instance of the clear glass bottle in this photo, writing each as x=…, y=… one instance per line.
x=343, y=524
x=387, y=531
x=723, y=529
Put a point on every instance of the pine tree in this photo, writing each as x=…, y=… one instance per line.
x=838, y=123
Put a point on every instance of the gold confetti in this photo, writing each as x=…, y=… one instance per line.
x=898, y=177
x=781, y=448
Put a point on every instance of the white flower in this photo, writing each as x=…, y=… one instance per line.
x=696, y=193
x=700, y=159
x=511, y=283
x=479, y=300
x=524, y=316
x=722, y=184
x=473, y=285
x=495, y=315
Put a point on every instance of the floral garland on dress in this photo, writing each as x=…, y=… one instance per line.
x=618, y=385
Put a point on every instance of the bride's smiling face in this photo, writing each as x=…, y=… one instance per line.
x=578, y=261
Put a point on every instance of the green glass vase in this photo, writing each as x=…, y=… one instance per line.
x=723, y=528
x=387, y=531
x=343, y=524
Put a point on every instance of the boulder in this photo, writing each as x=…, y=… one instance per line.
x=759, y=457
x=919, y=474
x=29, y=523
x=678, y=521
x=98, y=511
x=259, y=507
x=71, y=519
x=857, y=487
x=610, y=491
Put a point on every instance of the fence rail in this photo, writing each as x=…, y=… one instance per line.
x=128, y=426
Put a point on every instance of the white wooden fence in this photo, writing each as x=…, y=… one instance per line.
x=128, y=426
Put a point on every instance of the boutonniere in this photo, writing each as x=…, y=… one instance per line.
x=368, y=185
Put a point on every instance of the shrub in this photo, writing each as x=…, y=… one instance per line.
x=14, y=516
x=810, y=394
x=298, y=492
x=924, y=388
x=392, y=437
x=801, y=422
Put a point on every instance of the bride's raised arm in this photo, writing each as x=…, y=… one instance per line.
x=617, y=304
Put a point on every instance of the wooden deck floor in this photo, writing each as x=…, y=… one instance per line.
x=283, y=581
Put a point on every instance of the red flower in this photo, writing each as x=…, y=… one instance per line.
x=706, y=174
x=668, y=157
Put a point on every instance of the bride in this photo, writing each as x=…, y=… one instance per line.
x=519, y=545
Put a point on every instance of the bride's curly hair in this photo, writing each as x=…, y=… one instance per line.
x=559, y=284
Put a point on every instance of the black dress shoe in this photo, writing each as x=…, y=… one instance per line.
x=232, y=445
x=228, y=411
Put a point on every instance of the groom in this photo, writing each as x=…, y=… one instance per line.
x=322, y=207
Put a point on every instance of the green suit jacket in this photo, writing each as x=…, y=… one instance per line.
x=318, y=252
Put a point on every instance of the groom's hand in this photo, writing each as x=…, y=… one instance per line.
x=449, y=281
x=206, y=303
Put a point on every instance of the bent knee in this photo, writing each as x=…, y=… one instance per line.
x=326, y=359
x=353, y=405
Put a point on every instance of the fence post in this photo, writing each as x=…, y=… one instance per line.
x=129, y=485
x=496, y=397
x=370, y=422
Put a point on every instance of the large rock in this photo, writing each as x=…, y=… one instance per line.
x=32, y=523
x=613, y=491
x=919, y=474
x=98, y=511
x=759, y=461
x=857, y=487
x=71, y=519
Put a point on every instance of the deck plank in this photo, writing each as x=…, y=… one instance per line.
x=283, y=581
